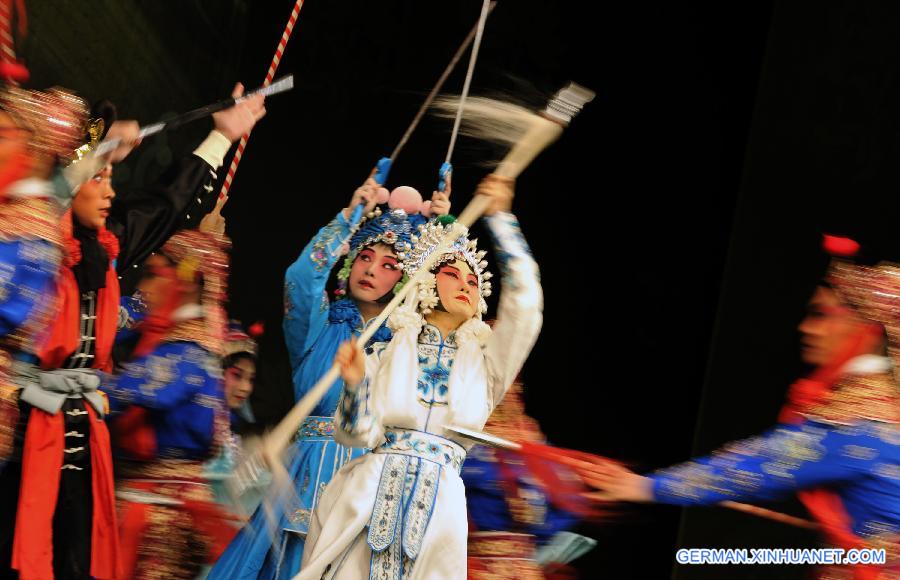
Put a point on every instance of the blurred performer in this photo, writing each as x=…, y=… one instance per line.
x=30, y=240
x=314, y=328
x=173, y=412
x=837, y=443
x=401, y=509
x=239, y=365
x=69, y=509
x=512, y=509
x=61, y=446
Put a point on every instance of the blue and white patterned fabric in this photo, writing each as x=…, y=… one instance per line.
x=132, y=311
x=401, y=510
x=314, y=328
x=28, y=269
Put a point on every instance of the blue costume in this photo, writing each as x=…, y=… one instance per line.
x=179, y=388
x=27, y=272
x=30, y=251
x=859, y=459
x=850, y=444
x=515, y=527
x=180, y=385
x=172, y=417
x=490, y=510
x=314, y=329
x=492, y=475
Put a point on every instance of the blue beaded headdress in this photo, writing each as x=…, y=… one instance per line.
x=395, y=228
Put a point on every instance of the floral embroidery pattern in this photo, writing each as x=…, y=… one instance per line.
x=436, y=355
x=315, y=427
x=388, y=503
x=321, y=250
x=424, y=445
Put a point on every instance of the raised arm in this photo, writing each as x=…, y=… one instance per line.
x=520, y=310
x=306, y=304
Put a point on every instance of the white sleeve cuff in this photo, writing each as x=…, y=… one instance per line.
x=213, y=149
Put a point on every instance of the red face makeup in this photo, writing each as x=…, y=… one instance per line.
x=457, y=288
x=374, y=273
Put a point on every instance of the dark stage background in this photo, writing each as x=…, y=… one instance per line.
x=676, y=223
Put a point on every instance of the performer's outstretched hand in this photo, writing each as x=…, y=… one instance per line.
x=615, y=483
x=239, y=119
x=367, y=193
x=129, y=135
x=352, y=361
x=500, y=189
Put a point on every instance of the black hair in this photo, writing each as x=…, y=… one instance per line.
x=232, y=359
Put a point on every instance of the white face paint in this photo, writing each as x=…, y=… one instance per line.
x=457, y=289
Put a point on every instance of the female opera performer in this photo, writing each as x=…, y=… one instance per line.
x=401, y=509
x=314, y=328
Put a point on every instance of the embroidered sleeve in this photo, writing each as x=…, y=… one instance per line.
x=27, y=271
x=305, y=301
x=132, y=310
x=782, y=460
x=357, y=423
x=160, y=381
x=520, y=310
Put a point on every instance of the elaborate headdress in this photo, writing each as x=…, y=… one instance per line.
x=426, y=241
x=238, y=342
x=103, y=114
x=832, y=395
x=510, y=421
x=872, y=291
x=394, y=227
x=56, y=118
x=202, y=257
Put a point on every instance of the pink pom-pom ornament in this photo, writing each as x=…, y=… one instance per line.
x=407, y=199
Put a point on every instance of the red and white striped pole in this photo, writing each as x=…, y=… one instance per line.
x=279, y=52
x=7, y=45
x=10, y=69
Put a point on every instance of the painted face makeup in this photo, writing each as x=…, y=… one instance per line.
x=374, y=273
x=457, y=288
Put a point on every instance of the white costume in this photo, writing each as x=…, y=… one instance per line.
x=400, y=511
